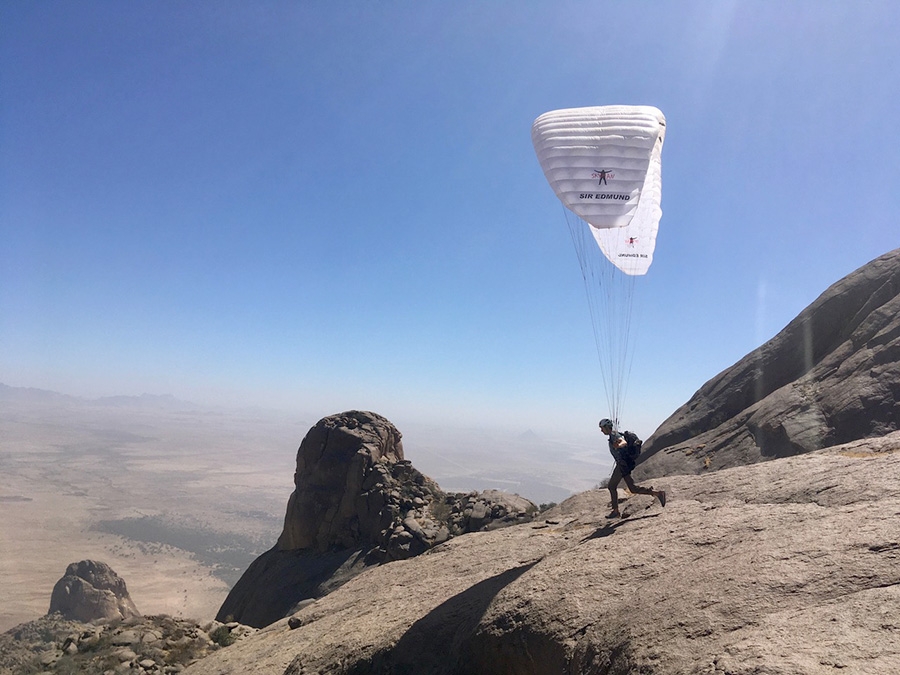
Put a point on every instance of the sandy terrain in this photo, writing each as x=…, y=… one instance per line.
x=43, y=534
x=176, y=502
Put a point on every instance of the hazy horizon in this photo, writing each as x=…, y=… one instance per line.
x=179, y=498
x=460, y=458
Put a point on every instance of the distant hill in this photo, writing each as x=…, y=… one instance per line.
x=33, y=395
x=166, y=401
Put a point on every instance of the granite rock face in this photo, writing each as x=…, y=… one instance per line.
x=91, y=590
x=357, y=502
x=782, y=567
x=830, y=377
x=342, y=458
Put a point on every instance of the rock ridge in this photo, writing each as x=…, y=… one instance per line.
x=357, y=502
x=138, y=645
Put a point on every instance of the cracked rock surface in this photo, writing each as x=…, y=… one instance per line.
x=790, y=566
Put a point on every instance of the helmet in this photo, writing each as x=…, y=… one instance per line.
x=606, y=423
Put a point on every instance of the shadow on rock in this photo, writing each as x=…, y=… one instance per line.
x=280, y=579
x=429, y=643
x=610, y=527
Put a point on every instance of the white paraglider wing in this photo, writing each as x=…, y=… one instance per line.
x=630, y=248
x=597, y=159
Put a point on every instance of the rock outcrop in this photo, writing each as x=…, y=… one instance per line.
x=782, y=567
x=830, y=377
x=91, y=590
x=357, y=502
x=341, y=463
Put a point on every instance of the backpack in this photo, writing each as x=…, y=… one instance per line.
x=633, y=447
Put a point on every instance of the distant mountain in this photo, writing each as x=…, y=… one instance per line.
x=529, y=436
x=8, y=393
x=33, y=395
x=830, y=377
x=166, y=401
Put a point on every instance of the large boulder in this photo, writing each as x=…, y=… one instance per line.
x=357, y=502
x=830, y=377
x=91, y=590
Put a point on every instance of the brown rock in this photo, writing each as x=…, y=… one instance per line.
x=91, y=590
x=337, y=458
x=357, y=502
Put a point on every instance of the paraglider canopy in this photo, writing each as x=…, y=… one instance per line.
x=604, y=164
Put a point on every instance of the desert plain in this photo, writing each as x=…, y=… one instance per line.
x=176, y=501
x=178, y=498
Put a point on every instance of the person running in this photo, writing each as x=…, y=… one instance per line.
x=625, y=463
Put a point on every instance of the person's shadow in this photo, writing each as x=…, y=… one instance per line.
x=610, y=527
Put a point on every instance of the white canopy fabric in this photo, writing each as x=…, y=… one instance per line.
x=604, y=164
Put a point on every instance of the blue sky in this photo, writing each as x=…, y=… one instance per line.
x=323, y=206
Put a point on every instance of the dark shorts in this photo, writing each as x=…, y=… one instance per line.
x=626, y=465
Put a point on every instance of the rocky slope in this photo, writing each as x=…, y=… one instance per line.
x=137, y=645
x=94, y=627
x=789, y=566
x=831, y=376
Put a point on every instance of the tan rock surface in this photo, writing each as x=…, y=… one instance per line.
x=789, y=566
